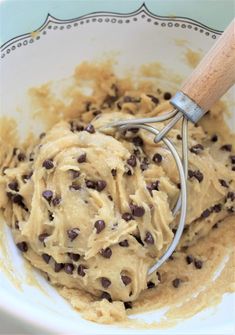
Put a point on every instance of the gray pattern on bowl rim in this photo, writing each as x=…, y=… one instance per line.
x=143, y=13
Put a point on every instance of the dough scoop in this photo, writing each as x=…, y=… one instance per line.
x=214, y=75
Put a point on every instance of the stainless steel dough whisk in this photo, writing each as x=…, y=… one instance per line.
x=208, y=82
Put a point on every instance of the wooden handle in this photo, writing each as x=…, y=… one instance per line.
x=215, y=74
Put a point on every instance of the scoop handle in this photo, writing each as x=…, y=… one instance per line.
x=215, y=74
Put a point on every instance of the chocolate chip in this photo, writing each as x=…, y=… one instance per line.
x=58, y=267
x=74, y=187
x=206, y=213
x=231, y=196
x=223, y=183
x=157, y=158
x=10, y=195
x=74, y=173
x=215, y=226
x=214, y=138
x=196, y=174
x=167, y=96
x=56, y=201
x=233, y=168
x=31, y=156
x=74, y=257
x=154, y=186
x=106, y=295
x=22, y=246
x=14, y=152
x=46, y=258
x=96, y=112
x=100, y=185
x=42, y=237
x=197, y=149
x=14, y=186
x=149, y=238
x=68, y=268
x=137, y=141
x=190, y=173
x=82, y=158
x=26, y=177
x=126, y=280
x=42, y=135
x=114, y=172
x=90, y=184
x=106, y=253
x=137, y=211
x=73, y=233
x=217, y=208
x=124, y=243
x=81, y=270
x=232, y=158
x=4, y=169
x=198, y=263
x=231, y=209
x=145, y=164
x=99, y=225
x=150, y=284
x=105, y=282
x=17, y=225
x=50, y=215
x=21, y=157
x=48, y=195
x=226, y=147
x=128, y=172
x=127, y=216
x=176, y=282
x=88, y=105
x=153, y=98
x=110, y=99
x=179, y=137
x=48, y=164
x=189, y=259
x=90, y=128
x=18, y=199
x=75, y=127
x=133, y=130
x=119, y=105
x=132, y=161
x=128, y=304
x=128, y=98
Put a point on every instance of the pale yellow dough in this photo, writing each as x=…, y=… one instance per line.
x=107, y=153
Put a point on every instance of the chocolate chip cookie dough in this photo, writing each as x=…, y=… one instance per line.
x=92, y=207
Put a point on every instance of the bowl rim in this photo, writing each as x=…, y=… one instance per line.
x=51, y=22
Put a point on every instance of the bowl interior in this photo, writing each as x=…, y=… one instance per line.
x=50, y=54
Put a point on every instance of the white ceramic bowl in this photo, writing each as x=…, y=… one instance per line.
x=51, y=54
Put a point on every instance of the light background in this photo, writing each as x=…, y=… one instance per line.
x=20, y=16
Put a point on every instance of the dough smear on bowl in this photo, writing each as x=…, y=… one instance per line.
x=91, y=206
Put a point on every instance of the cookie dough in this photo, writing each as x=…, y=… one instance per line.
x=92, y=206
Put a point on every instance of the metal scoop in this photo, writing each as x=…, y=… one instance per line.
x=208, y=82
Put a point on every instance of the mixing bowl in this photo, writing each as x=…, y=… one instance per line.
x=52, y=53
